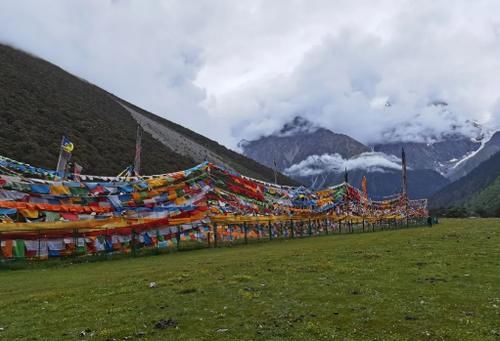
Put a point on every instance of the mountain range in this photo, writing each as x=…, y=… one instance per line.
x=318, y=157
x=298, y=140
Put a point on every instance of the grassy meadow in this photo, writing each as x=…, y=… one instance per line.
x=440, y=283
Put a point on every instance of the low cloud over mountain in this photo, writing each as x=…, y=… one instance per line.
x=318, y=164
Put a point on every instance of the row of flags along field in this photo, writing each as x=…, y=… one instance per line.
x=45, y=213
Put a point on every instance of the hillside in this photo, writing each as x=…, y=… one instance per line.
x=473, y=188
x=438, y=156
x=487, y=201
x=490, y=148
x=40, y=102
x=200, y=148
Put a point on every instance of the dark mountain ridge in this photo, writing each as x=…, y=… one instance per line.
x=462, y=191
x=438, y=156
x=296, y=141
x=490, y=148
x=381, y=184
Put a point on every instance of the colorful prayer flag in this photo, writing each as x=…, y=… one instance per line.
x=67, y=145
x=77, y=171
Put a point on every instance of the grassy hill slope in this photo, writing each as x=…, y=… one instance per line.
x=475, y=190
x=487, y=201
x=39, y=102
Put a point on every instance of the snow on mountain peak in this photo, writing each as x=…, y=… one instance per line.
x=434, y=123
x=299, y=125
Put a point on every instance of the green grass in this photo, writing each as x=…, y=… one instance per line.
x=421, y=283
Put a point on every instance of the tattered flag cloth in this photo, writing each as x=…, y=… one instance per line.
x=77, y=171
x=105, y=214
x=67, y=145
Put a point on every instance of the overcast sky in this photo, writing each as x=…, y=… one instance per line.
x=239, y=69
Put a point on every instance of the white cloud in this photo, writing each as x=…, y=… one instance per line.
x=326, y=163
x=148, y=53
x=425, y=52
x=240, y=69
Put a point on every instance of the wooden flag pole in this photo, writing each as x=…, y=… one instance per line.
x=405, y=183
x=138, y=150
x=63, y=160
x=275, y=172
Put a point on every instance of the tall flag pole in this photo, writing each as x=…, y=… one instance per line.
x=405, y=182
x=77, y=171
x=275, y=172
x=346, y=195
x=138, y=150
x=65, y=150
x=364, y=188
x=405, y=176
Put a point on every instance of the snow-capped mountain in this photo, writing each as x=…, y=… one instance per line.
x=490, y=145
x=298, y=140
x=452, y=155
x=318, y=157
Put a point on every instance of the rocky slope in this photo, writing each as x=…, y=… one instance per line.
x=439, y=156
x=488, y=148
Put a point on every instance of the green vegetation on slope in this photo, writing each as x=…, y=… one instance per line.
x=423, y=283
x=463, y=193
x=487, y=202
x=39, y=102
